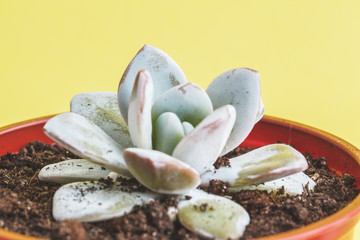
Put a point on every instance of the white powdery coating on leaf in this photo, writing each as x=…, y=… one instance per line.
x=164, y=70
x=72, y=170
x=141, y=101
x=239, y=87
x=94, y=201
x=202, y=146
x=220, y=218
x=102, y=109
x=83, y=138
x=260, y=165
x=188, y=101
x=161, y=172
x=293, y=184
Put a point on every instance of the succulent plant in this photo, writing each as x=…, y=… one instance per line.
x=166, y=133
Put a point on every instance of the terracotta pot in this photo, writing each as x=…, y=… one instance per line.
x=342, y=157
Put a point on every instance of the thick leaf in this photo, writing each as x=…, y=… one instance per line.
x=212, y=216
x=160, y=172
x=72, y=170
x=114, y=176
x=96, y=201
x=239, y=87
x=102, y=109
x=202, y=146
x=83, y=138
x=188, y=127
x=293, y=184
x=260, y=165
x=141, y=101
x=261, y=111
x=188, y=101
x=168, y=131
x=164, y=70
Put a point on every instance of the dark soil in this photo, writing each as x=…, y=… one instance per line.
x=25, y=203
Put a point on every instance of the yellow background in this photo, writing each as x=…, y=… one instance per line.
x=307, y=52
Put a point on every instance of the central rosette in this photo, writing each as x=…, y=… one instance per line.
x=186, y=135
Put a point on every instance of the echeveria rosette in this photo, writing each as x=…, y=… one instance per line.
x=167, y=133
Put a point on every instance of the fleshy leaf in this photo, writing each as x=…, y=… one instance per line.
x=260, y=165
x=239, y=87
x=102, y=109
x=72, y=170
x=212, y=216
x=168, y=131
x=164, y=70
x=188, y=101
x=261, y=111
x=202, y=146
x=160, y=172
x=96, y=201
x=293, y=184
x=114, y=176
x=141, y=101
x=188, y=127
x=83, y=138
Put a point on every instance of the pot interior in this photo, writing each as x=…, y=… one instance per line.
x=341, y=156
